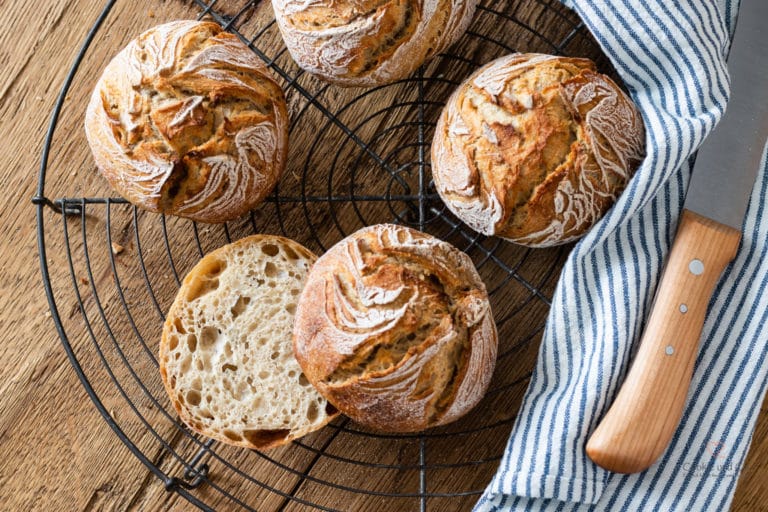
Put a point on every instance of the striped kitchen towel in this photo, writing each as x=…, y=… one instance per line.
x=671, y=56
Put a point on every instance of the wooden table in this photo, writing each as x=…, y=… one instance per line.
x=56, y=451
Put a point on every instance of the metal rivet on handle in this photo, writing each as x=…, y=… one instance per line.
x=696, y=267
x=683, y=308
x=669, y=350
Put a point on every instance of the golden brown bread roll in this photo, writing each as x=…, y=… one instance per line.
x=395, y=329
x=535, y=148
x=369, y=42
x=186, y=120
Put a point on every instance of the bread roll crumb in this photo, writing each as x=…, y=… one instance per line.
x=226, y=356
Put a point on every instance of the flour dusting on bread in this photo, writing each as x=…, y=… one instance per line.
x=369, y=42
x=186, y=120
x=395, y=328
x=535, y=148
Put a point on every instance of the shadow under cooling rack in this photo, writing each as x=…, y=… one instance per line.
x=357, y=157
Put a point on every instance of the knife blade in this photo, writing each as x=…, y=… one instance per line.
x=738, y=140
x=645, y=414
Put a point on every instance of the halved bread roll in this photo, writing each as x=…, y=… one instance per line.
x=226, y=354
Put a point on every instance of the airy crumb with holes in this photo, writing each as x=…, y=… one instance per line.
x=226, y=357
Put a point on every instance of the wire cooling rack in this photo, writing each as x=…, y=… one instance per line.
x=357, y=157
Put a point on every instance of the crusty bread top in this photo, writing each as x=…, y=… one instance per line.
x=226, y=356
x=186, y=120
x=369, y=42
x=535, y=148
x=395, y=328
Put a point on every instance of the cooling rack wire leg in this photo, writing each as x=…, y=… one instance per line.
x=195, y=473
x=56, y=206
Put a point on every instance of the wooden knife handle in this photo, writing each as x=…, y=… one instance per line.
x=640, y=423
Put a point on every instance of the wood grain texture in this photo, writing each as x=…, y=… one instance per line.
x=57, y=452
x=642, y=419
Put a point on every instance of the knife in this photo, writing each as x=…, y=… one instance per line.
x=645, y=414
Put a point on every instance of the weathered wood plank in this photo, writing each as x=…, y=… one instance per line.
x=57, y=451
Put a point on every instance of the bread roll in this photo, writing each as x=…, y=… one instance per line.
x=226, y=357
x=535, y=148
x=395, y=329
x=186, y=120
x=369, y=42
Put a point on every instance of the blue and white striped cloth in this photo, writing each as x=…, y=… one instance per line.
x=671, y=56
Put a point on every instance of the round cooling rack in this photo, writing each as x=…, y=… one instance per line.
x=357, y=157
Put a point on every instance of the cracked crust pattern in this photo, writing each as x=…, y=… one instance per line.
x=187, y=121
x=369, y=42
x=394, y=327
x=535, y=148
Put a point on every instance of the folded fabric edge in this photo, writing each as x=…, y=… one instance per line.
x=537, y=485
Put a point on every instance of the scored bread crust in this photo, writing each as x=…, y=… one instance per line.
x=535, y=148
x=226, y=356
x=394, y=327
x=186, y=120
x=369, y=42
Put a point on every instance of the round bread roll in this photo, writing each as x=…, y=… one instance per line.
x=535, y=148
x=226, y=357
x=186, y=120
x=394, y=327
x=369, y=42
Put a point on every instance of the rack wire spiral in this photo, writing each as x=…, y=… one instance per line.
x=357, y=157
